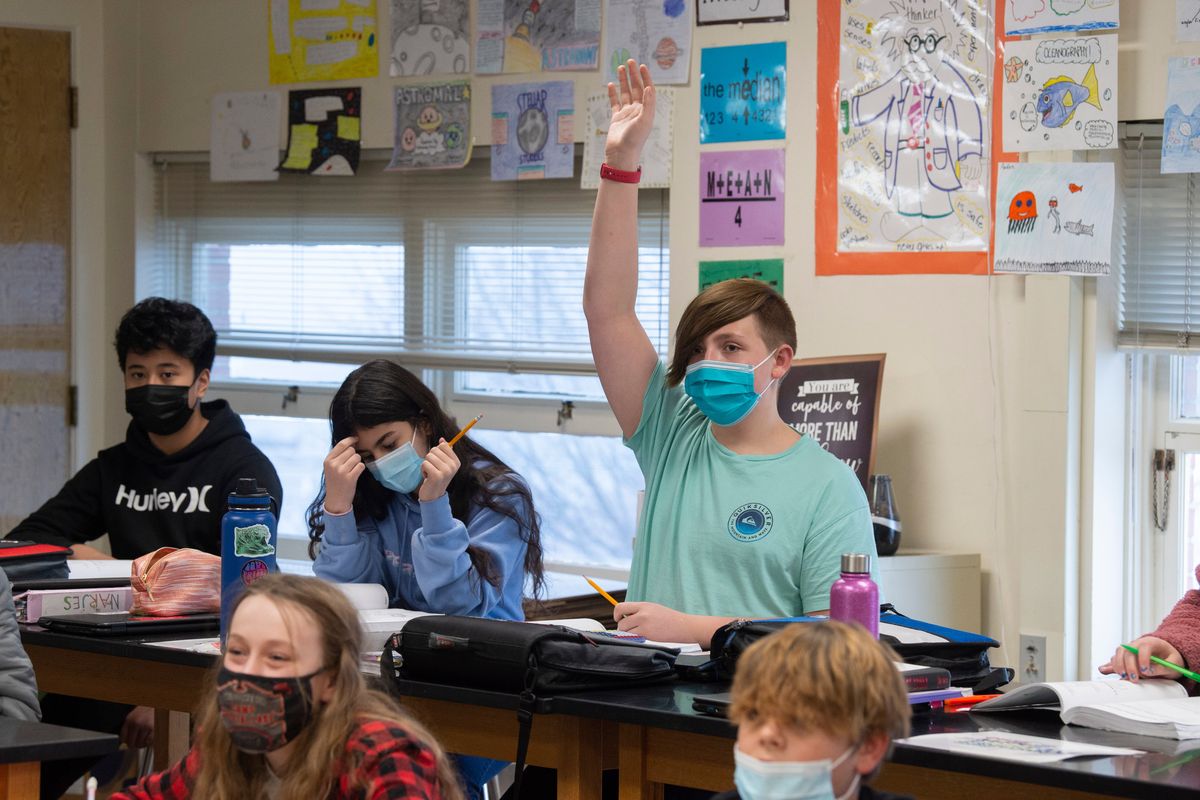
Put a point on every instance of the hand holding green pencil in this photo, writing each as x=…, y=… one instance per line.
x=1164, y=663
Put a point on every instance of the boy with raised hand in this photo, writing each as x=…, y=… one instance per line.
x=743, y=516
x=167, y=483
x=817, y=706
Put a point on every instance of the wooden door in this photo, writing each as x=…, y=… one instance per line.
x=35, y=239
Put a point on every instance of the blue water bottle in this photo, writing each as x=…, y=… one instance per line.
x=249, y=531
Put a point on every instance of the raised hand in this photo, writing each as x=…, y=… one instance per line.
x=632, y=101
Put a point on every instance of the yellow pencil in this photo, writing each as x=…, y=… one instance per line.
x=603, y=593
x=463, y=432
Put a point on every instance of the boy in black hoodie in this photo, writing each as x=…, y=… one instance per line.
x=165, y=486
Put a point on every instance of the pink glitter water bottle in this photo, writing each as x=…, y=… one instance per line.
x=854, y=597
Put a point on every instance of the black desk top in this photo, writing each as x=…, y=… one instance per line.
x=22, y=741
x=120, y=646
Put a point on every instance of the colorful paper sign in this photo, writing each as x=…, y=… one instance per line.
x=743, y=93
x=657, y=33
x=767, y=270
x=535, y=36
x=244, y=143
x=322, y=40
x=1026, y=17
x=323, y=131
x=1055, y=217
x=656, y=155
x=430, y=38
x=1060, y=94
x=717, y=12
x=533, y=130
x=1181, y=120
x=433, y=126
x=742, y=198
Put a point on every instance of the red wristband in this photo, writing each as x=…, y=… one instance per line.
x=608, y=173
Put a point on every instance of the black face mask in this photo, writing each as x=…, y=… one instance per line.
x=160, y=410
x=263, y=714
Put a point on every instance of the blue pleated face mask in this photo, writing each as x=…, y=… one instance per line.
x=724, y=390
x=399, y=470
x=789, y=780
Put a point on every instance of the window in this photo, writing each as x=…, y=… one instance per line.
x=474, y=284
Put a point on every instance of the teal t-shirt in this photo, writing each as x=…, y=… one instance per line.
x=733, y=535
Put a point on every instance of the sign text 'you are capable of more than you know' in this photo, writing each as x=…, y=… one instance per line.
x=836, y=402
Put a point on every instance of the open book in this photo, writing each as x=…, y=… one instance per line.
x=1148, y=708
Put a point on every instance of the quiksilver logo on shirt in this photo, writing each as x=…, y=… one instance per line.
x=751, y=522
x=186, y=502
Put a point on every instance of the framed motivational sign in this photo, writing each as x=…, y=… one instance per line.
x=836, y=402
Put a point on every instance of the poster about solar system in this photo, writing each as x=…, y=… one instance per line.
x=1060, y=94
x=657, y=33
x=1054, y=218
x=433, y=126
x=533, y=131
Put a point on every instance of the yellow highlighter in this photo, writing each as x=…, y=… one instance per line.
x=603, y=593
x=463, y=432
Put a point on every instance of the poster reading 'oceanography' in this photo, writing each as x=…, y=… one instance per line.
x=1060, y=94
x=912, y=137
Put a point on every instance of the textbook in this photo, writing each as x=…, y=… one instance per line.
x=1159, y=708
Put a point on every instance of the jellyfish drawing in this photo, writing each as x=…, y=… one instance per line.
x=1022, y=213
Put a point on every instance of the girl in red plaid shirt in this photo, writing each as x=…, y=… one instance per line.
x=290, y=716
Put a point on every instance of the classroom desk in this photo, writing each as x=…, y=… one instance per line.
x=24, y=745
x=650, y=732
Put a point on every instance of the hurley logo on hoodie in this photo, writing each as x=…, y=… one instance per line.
x=189, y=501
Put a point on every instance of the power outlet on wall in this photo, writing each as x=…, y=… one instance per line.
x=1033, y=659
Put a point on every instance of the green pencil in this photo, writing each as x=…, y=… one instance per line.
x=1181, y=670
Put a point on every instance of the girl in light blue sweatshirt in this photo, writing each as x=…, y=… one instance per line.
x=446, y=530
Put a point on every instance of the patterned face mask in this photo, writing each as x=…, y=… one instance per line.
x=263, y=714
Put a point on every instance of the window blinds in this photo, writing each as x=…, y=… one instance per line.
x=1160, y=280
x=442, y=268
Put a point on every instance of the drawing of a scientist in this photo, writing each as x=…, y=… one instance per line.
x=932, y=122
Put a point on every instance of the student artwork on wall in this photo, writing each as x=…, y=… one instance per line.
x=904, y=143
x=1060, y=94
x=1054, y=217
x=1187, y=20
x=1025, y=17
x=836, y=402
x=743, y=93
x=324, y=132
x=657, y=154
x=537, y=36
x=653, y=32
x=716, y=12
x=433, y=126
x=430, y=37
x=741, y=198
x=322, y=40
x=244, y=143
x=767, y=270
x=1181, y=120
x=533, y=130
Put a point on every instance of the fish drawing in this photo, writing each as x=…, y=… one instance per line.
x=1078, y=228
x=1061, y=97
x=1074, y=187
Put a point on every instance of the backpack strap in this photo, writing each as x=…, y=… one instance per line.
x=525, y=711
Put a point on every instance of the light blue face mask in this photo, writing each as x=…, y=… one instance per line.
x=399, y=470
x=724, y=390
x=788, y=780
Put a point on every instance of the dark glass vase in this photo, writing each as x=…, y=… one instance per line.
x=884, y=516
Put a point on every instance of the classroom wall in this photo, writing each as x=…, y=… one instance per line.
x=987, y=415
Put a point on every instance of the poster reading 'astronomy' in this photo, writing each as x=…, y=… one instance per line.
x=1060, y=94
x=912, y=136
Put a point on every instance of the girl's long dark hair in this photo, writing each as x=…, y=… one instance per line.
x=382, y=391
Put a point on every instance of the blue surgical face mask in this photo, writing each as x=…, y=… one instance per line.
x=789, y=780
x=724, y=390
x=399, y=470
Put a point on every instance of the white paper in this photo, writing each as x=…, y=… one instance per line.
x=365, y=595
x=318, y=5
x=587, y=15
x=489, y=36
x=98, y=568
x=1014, y=746
x=316, y=28
x=1055, y=217
x=1187, y=20
x=652, y=32
x=1060, y=94
x=657, y=155
x=1025, y=17
x=316, y=109
x=244, y=137
x=1171, y=719
x=280, y=18
x=208, y=645
x=330, y=52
